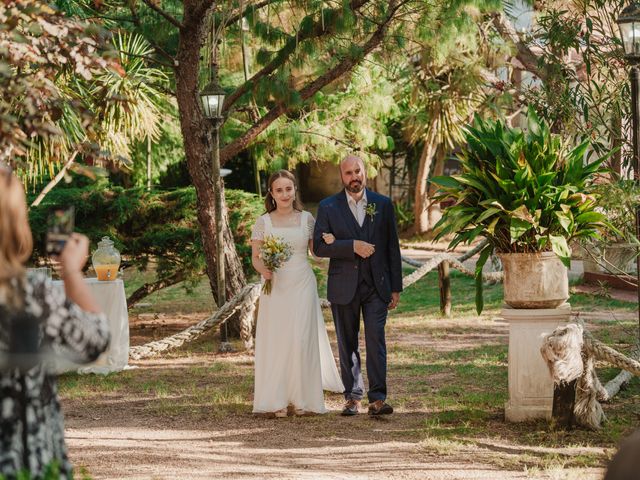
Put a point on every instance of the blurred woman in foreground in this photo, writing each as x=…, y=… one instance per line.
x=65, y=323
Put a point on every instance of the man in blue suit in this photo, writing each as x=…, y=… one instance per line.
x=365, y=274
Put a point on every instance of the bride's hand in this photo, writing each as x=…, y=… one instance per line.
x=328, y=238
x=267, y=274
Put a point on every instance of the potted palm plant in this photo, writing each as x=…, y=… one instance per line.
x=528, y=194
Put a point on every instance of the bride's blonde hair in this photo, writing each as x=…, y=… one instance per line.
x=16, y=242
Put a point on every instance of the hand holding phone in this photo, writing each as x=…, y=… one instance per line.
x=59, y=228
x=74, y=255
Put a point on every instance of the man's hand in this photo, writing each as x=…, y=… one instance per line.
x=363, y=249
x=395, y=299
x=328, y=238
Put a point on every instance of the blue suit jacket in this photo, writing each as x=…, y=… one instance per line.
x=334, y=216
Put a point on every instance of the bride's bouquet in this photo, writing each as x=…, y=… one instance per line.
x=274, y=252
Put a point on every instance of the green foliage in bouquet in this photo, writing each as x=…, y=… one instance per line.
x=524, y=191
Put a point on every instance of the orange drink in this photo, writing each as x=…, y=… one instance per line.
x=106, y=272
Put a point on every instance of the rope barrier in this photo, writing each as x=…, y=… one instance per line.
x=245, y=300
x=248, y=297
x=570, y=353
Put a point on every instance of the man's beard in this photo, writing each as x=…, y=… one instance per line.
x=354, y=187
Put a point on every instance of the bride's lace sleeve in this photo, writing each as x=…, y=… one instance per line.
x=257, y=233
x=311, y=223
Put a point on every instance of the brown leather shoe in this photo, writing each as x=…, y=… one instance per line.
x=379, y=407
x=352, y=407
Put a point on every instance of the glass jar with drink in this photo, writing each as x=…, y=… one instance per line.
x=106, y=260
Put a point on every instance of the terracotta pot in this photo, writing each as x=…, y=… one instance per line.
x=534, y=280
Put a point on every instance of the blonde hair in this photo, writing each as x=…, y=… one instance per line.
x=16, y=241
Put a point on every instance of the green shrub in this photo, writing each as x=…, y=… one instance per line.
x=159, y=225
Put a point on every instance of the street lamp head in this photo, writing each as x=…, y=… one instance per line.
x=629, y=25
x=212, y=99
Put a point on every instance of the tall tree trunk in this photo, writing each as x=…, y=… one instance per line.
x=198, y=143
x=421, y=198
x=435, y=213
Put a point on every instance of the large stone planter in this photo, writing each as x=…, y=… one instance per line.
x=530, y=384
x=534, y=280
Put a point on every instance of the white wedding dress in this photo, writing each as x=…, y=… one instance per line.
x=293, y=357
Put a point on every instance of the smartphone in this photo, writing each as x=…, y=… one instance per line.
x=60, y=226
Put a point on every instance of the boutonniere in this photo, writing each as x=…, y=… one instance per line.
x=370, y=210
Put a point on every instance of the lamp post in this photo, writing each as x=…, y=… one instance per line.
x=212, y=99
x=629, y=25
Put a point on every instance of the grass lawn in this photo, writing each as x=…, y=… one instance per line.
x=447, y=380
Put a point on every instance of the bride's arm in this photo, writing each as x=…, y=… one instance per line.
x=336, y=249
x=257, y=261
x=313, y=255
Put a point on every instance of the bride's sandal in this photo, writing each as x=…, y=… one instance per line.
x=300, y=412
x=282, y=413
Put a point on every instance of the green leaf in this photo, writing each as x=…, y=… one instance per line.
x=492, y=226
x=561, y=248
x=487, y=213
x=591, y=217
x=565, y=220
x=517, y=228
x=484, y=255
x=446, y=181
x=474, y=182
x=533, y=123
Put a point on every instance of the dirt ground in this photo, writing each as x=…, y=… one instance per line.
x=118, y=437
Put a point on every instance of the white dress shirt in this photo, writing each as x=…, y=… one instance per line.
x=357, y=208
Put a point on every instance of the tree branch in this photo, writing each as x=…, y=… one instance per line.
x=150, y=287
x=346, y=65
x=328, y=137
x=283, y=55
x=525, y=55
x=174, y=21
x=161, y=51
x=243, y=13
x=54, y=181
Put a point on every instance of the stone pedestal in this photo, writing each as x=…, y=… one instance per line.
x=530, y=385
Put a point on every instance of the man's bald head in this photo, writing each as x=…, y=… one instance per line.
x=351, y=159
x=352, y=173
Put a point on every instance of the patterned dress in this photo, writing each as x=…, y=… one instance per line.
x=31, y=423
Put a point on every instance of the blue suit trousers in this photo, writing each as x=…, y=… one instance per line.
x=347, y=321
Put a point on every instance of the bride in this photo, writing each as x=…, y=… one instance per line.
x=293, y=358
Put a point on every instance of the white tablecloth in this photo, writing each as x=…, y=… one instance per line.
x=112, y=300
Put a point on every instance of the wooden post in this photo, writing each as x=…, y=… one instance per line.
x=564, y=399
x=444, y=282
